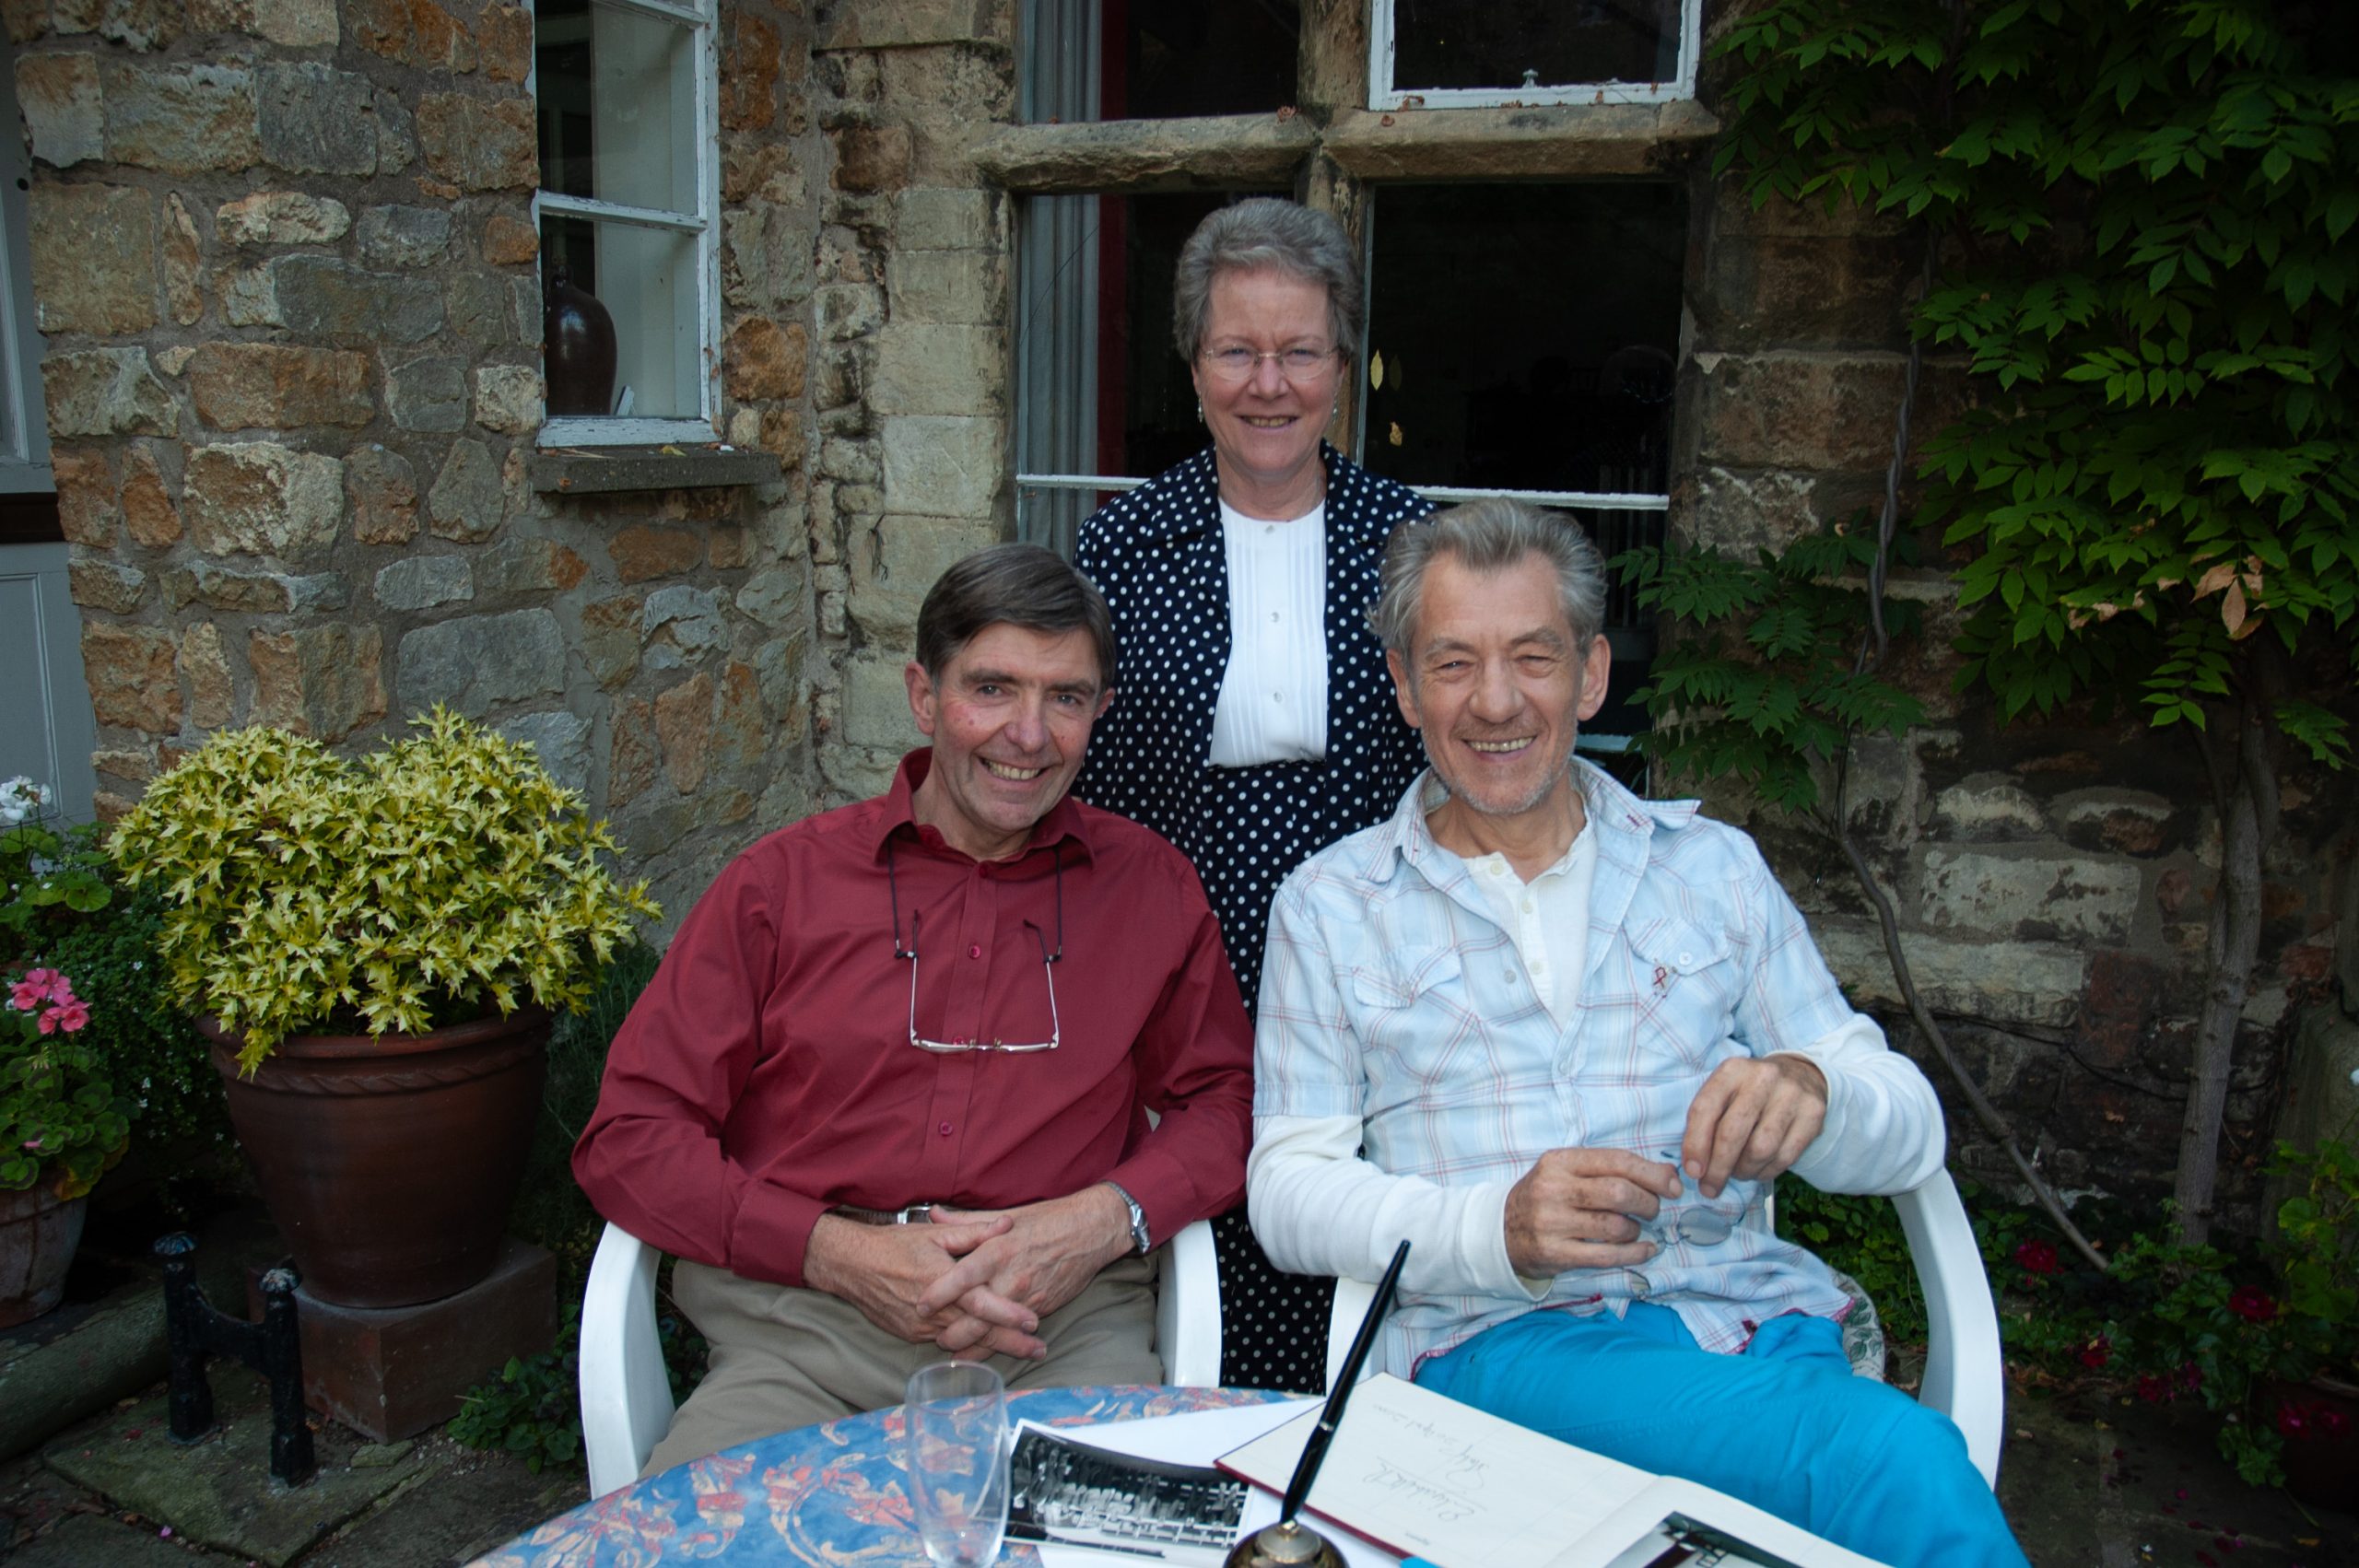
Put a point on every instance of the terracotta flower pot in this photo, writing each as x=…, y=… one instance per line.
x=38, y=1235
x=2319, y=1420
x=389, y=1164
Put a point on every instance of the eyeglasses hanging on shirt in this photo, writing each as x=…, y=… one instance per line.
x=1047, y=969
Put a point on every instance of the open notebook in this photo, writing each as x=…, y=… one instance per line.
x=1423, y=1475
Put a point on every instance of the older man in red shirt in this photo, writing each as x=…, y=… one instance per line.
x=934, y=1071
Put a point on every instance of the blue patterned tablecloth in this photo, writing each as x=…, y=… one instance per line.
x=824, y=1496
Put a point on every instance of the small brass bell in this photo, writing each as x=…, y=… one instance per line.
x=1289, y=1543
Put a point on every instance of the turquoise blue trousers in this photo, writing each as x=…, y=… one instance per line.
x=1784, y=1426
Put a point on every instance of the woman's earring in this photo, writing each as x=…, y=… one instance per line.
x=1200, y=411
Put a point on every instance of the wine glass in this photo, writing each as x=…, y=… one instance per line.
x=955, y=1424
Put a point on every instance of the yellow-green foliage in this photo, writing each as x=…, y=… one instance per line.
x=423, y=880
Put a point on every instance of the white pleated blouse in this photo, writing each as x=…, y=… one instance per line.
x=1272, y=705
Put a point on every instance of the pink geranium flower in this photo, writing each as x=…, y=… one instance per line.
x=72, y=1016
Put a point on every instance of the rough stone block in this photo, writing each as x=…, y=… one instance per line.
x=183, y=119
x=943, y=466
x=889, y=582
x=63, y=106
x=848, y=310
x=908, y=23
x=94, y=258
x=936, y=219
x=740, y=728
x=148, y=510
x=413, y=32
x=316, y=120
x=218, y=587
x=249, y=296
x=481, y=309
x=1799, y=410
x=1743, y=511
x=2123, y=822
x=530, y=566
x=762, y=360
x=683, y=728
x=404, y=236
x=241, y=386
x=130, y=673
x=856, y=463
x=939, y=370
x=106, y=585
x=876, y=703
x=211, y=692
x=324, y=682
x=396, y=134
x=480, y=661
x=107, y=392
x=681, y=625
x=562, y=740
x=508, y=399
x=320, y=296
x=870, y=158
x=297, y=23
x=765, y=259
x=468, y=500
x=381, y=488
x=504, y=34
x=479, y=144
x=508, y=241
x=262, y=498
x=945, y=285
x=778, y=596
x=428, y=394
x=421, y=582
x=2005, y=982
x=752, y=56
x=610, y=639
x=183, y=260
x=86, y=508
x=641, y=551
x=2030, y=895
x=1987, y=807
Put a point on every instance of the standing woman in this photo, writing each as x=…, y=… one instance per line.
x=1255, y=723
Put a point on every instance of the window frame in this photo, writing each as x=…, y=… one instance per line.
x=1383, y=95
x=24, y=468
x=700, y=219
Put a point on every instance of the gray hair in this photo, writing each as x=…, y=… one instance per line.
x=1016, y=585
x=1486, y=536
x=1266, y=234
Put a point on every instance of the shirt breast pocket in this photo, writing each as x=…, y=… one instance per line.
x=1411, y=1014
x=1679, y=988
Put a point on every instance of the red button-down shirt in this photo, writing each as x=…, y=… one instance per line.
x=766, y=1073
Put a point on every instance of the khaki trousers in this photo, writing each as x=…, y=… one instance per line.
x=784, y=1357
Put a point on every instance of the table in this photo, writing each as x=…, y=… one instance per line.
x=829, y=1495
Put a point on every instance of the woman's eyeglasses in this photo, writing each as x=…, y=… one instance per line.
x=1235, y=362
x=1703, y=1223
x=1047, y=970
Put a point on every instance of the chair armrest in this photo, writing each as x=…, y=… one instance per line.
x=1187, y=1309
x=1964, y=1370
x=1353, y=1298
x=626, y=1398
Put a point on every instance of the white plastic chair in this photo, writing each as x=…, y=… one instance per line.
x=1965, y=1374
x=627, y=1398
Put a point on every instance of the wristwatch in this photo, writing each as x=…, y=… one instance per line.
x=1138, y=1218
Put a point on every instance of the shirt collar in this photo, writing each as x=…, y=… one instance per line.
x=1066, y=822
x=1624, y=822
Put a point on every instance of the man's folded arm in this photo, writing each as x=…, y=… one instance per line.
x=1884, y=1130
x=1318, y=1208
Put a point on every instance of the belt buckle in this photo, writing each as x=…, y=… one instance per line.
x=915, y=1214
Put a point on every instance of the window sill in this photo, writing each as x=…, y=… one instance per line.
x=570, y=471
x=1575, y=141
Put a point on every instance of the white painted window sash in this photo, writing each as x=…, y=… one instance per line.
x=701, y=218
x=1383, y=93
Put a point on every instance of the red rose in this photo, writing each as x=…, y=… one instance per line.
x=2036, y=1257
x=2252, y=1304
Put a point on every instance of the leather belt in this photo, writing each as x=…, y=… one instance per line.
x=915, y=1214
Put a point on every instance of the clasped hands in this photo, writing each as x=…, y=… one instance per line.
x=1582, y=1208
x=975, y=1282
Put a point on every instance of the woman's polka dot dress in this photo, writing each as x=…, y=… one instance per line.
x=1156, y=555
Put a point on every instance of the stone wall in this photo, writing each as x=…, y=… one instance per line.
x=284, y=261
x=2052, y=878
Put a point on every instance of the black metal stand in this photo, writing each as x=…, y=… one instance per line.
x=196, y=1332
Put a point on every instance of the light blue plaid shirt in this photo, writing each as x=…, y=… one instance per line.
x=1391, y=996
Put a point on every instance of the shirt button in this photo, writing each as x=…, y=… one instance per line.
x=1539, y=965
x=943, y=1130
x=1277, y=696
x=1509, y=975
x=1687, y=960
x=1274, y=617
x=975, y=952
x=1640, y=1286
x=1527, y=906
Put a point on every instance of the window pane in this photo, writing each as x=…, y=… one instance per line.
x=1528, y=336
x=1511, y=43
x=647, y=280
x=616, y=92
x=1157, y=59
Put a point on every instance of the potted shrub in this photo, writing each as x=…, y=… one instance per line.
x=374, y=947
x=62, y=1124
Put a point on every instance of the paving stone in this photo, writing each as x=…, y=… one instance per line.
x=93, y=1540
x=217, y=1493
